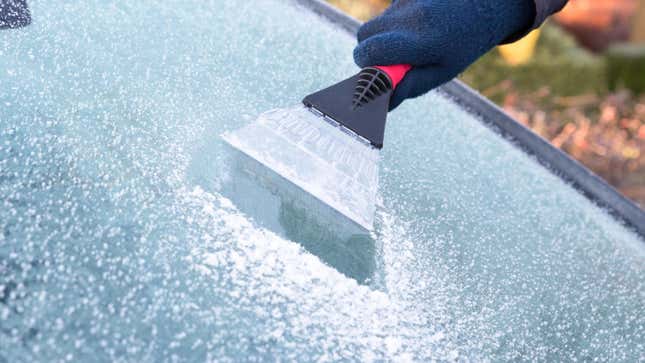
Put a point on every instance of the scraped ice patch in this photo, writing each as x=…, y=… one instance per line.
x=264, y=269
x=317, y=157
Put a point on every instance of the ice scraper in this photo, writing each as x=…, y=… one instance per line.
x=329, y=146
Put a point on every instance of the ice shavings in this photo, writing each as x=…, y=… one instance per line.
x=321, y=298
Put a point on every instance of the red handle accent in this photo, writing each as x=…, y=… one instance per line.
x=396, y=72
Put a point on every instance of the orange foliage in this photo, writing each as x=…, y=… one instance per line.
x=607, y=135
x=598, y=23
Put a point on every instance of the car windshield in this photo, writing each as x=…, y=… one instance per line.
x=128, y=232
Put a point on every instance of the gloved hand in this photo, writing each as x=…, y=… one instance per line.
x=439, y=38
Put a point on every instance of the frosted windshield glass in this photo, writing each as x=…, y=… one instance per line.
x=128, y=232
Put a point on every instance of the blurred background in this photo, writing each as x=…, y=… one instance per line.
x=579, y=82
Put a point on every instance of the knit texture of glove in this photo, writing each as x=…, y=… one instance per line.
x=439, y=38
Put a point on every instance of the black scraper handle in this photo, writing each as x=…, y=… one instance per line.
x=361, y=103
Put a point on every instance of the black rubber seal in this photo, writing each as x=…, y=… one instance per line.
x=558, y=162
x=14, y=14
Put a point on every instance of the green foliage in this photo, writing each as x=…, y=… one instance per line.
x=559, y=64
x=626, y=67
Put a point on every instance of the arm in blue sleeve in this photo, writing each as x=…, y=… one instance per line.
x=544, y=8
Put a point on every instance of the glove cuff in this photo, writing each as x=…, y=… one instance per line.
x=542, y=9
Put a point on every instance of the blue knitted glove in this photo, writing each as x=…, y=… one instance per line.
x=440, y=38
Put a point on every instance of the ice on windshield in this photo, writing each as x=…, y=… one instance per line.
x=124, y=235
